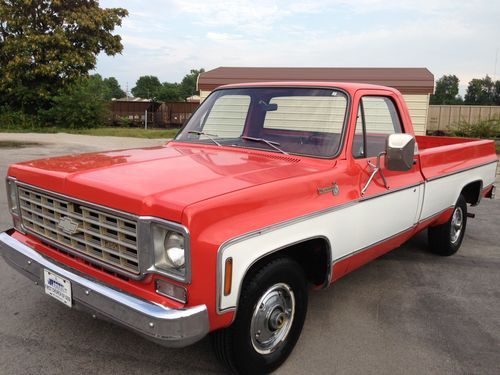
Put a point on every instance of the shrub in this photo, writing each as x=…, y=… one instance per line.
x=124, y=121
x=483, y=129
x=11, y=120
x=81, y=105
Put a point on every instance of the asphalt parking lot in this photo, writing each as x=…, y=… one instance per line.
x=408, y=312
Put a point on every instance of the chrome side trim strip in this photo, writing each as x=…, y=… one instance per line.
x=460, y=171
x=390, y=191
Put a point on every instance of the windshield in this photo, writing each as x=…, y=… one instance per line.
x=304, y=121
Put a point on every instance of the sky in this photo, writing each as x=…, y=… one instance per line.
x=168, y=38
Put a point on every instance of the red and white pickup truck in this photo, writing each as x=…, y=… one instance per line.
x=269, y=190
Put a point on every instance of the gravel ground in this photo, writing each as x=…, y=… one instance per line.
x=408, y=312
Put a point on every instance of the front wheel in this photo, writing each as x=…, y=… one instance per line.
x=269, y=320
x=445, y=239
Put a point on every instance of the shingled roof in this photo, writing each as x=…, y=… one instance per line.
x=406, y=80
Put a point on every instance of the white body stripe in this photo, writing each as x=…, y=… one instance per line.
x=350, y=228
x=443, y=192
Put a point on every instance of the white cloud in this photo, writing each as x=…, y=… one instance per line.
x=222, y=36
x=167, y=38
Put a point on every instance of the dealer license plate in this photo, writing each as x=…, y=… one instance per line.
x=57, y=287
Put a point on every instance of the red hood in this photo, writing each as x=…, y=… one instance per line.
x=159, y=181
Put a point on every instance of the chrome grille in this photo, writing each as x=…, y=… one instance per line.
x=97, y=234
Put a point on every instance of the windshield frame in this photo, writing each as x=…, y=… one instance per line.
x=342, y=135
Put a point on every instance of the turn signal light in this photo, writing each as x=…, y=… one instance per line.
x=228, y=276
x=175, y=292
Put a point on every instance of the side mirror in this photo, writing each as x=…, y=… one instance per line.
x=400, y=149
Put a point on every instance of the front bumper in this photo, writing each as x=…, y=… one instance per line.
x=169, y=327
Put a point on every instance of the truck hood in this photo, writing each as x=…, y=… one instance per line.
x=159, y=181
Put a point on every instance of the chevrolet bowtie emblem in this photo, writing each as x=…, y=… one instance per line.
x=67, y=225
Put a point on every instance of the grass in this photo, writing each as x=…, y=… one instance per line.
x=108, y=131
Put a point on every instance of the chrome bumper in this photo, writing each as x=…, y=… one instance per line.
x=168, y=327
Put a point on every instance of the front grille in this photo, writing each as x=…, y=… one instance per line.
x=109, y=238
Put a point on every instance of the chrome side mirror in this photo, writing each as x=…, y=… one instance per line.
x=400, y=149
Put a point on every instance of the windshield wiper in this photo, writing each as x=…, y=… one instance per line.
x=262, y=140
x=209, y=136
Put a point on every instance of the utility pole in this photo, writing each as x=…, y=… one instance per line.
x=496, y=62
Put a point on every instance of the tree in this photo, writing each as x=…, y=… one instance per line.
x=82, y=104
x=147, y=87
x=169, y=92
x=46, y=45
x=446, y=91
x=150, y=87
x=480, y=91
x=188, y=83
x=113, y=89
x=496, y=93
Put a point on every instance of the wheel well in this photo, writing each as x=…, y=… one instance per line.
x=312, y=255
x=472, y=192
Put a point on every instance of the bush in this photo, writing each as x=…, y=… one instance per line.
x=81, y=105
x=11, y=120
x=123, y=122
x=489, y=129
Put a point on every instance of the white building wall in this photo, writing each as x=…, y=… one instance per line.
x=418, y=106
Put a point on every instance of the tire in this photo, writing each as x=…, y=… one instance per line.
x=445, y=239
x=245, y=347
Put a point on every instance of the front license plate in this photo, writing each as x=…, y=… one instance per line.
x=57, y=287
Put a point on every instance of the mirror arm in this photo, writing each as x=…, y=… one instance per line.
x=375, y=169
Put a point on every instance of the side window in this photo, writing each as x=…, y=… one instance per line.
x=377, y=118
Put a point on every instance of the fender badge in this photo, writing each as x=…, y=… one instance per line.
x=334, y=189
x=67, y=225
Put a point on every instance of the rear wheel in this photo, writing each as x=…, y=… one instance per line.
x=269, y=320
x=445, y=239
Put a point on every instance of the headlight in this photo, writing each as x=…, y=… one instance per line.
x=169, y=251
x=12, y=196
x=174, y=248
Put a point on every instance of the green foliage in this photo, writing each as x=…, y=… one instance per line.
x=169, y=92
x=82, y=104
x=446, y=91
x=12, y=120
x=489, y=129
x=483, y=91
x=147, y=87
x=124, y=122
x=46, y=45
x=113, y=89
x=188, y=83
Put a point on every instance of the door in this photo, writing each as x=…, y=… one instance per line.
x=389, y=202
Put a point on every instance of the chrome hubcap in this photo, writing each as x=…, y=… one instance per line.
x=457, y=221
x=272, y=318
